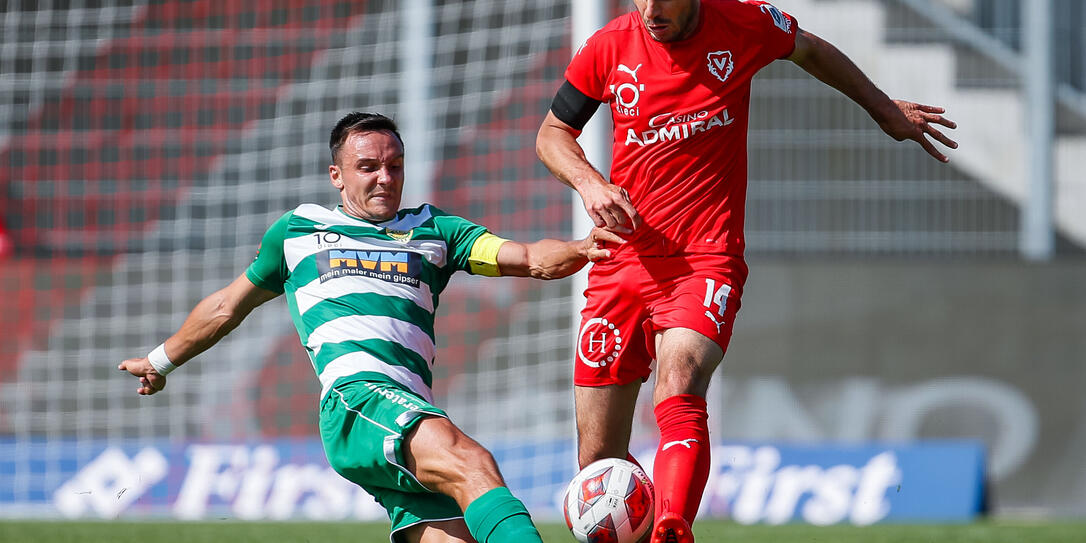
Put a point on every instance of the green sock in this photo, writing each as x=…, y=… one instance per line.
x=498, y=517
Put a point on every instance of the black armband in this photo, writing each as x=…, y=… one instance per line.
x=572, y=107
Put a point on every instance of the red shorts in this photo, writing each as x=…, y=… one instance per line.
x=630, y=299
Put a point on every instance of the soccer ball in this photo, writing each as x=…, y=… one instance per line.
x=609, y=501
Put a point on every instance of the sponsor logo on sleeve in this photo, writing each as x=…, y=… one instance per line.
x=779, y=18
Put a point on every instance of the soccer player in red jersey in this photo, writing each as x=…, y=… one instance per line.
x=676, y=75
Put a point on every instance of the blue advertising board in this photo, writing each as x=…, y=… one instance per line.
x=828, y=484
x=290, y=479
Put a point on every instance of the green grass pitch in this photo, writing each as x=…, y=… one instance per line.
x=706, y=531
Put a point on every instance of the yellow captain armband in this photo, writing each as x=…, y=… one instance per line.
x=484, y=255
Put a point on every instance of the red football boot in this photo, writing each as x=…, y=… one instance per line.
x=671, y=528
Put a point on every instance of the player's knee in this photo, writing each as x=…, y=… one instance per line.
x=463, y=470
x=479, y=461
x=445, y=458
x=470, y=472
x=472, y=462
x=679, y=379
x=685, y=365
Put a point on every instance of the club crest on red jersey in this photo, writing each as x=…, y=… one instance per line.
x=720, y=64
x=599, y=342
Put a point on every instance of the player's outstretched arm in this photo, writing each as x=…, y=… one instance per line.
x=900, y=119
x=608, y=205
x=554, y=259
x=207, y=323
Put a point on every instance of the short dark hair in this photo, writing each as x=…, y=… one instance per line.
x=358, y=121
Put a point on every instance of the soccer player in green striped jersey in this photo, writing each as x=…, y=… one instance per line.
x=361, y=282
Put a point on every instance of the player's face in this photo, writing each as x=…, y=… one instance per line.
x=669, y=20
x=369, y=175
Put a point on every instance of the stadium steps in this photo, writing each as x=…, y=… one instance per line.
x=40, y=47
x=991, y=119
x=808, y=191
x=170, y=73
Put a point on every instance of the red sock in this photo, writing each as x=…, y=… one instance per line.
x=682, y=459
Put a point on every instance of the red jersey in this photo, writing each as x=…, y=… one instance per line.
x=680, y=114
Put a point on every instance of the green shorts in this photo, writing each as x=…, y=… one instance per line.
x=362, y=427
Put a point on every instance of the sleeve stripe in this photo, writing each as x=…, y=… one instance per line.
x=484, y=255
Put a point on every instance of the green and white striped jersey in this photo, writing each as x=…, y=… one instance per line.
x=362, y=295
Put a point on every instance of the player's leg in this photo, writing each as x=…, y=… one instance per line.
x=693, y=327
x=419, y=466
x=685, y=363
x=604, y=421
x=448, y=531
x=612, y=360
x=686, y=360
x=446, y=460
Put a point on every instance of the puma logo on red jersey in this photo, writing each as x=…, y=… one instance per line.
x=716, y=322
x=633, y=72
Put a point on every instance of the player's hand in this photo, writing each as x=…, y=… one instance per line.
x=150, y=381
x=591, y=244
x=917, y=122
x=610, y=207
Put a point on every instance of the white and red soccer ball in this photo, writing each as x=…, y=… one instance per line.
x=609, y=501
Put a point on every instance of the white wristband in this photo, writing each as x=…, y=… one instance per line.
x=160, y=361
